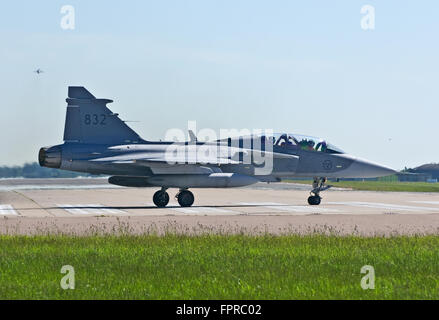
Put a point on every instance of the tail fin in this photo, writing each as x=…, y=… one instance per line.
x=88, y=120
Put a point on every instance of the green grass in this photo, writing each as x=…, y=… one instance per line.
x=381, y=185
x=219, y=267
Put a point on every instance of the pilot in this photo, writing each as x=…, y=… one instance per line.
x=311, y=145
x=303, y=144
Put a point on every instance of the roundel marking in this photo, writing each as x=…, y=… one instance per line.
x=327, y=164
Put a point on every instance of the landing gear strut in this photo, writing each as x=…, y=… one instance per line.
x=185, y=198
x=318, y=186
x=161, y=198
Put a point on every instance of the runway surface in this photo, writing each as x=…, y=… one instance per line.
x=85, y=206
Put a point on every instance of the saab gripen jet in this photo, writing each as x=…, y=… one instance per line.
x=97, y=141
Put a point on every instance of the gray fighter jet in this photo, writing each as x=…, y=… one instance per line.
x=96, y=141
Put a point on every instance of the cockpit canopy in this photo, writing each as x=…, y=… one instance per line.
x=289, y=141
x=297, y=141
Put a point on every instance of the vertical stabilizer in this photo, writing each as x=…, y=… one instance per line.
x=88, y=120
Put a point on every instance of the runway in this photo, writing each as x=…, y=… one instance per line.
x=83, y=206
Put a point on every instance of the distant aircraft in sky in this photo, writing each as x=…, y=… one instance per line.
x=97, y=141
x=38, y=71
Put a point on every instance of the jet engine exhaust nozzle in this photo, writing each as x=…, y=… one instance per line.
x=50, y=157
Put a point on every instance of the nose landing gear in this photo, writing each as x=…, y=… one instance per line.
x=314, y=200
x=318, y=186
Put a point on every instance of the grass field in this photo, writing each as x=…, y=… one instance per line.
x=219, y=267
x=381, y=185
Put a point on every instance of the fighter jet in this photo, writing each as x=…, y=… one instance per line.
x=97, y=141
x=38, y=71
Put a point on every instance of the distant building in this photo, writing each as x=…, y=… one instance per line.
x=400, y=176
x=413, y=177
x=430, y=168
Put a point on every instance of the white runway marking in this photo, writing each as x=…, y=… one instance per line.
x=202, y=210
x=289, y=208
x=7, y=209
x=196, y=210
x=85, y=209
x=386, y=206
x=426, y=202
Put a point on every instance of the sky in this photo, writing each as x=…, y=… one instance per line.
x=291, y=66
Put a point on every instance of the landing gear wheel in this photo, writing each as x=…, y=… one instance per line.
x=161, y=198
x=318, y=186
x=185, y=198
x=314, y=200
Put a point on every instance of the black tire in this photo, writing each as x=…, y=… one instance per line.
x=161, y=198
x=185, y=198
x=314, y=200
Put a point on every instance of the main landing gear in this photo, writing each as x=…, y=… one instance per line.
x=161, y=198
x=184, y=197
x=318, y=186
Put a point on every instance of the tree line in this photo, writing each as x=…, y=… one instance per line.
x=33, y=170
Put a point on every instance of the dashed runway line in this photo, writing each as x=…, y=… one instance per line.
x=87, y=209
x=196, y=210
x=290, y=208
x=202, y=210
x=273, y=206
x=7, y=209
x=386, y=206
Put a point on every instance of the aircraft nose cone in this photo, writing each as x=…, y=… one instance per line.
x=366, y=169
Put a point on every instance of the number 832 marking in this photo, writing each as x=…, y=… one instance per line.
x=95, y=119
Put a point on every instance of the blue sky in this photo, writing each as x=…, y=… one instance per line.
x=304, y=67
